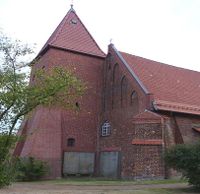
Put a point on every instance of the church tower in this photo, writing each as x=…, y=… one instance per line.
x=66, y=140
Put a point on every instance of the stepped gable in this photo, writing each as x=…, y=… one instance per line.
x=71, y=34
x=173, y=88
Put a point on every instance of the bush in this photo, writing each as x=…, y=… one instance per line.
x=7, y=162
x=185, y=159
x=30, y=169
x=7, y=173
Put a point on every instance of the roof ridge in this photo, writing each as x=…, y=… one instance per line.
x=130, y=70
x=159, y=62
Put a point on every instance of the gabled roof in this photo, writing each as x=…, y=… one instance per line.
x=71, y=34
x=173, y=88
x=147, y=115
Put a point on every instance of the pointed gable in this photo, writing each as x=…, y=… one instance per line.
x=72, y=35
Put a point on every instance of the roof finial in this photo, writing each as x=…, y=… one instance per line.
x=72, y=4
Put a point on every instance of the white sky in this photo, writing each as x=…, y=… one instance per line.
x=163, y=30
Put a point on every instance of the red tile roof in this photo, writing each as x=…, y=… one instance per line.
x=71, y=34
x=147, y=117
x=176, y=107
x=196, y=129
x=173, y=88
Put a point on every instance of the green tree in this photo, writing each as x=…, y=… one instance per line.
x=185, y=158
x=52, y=87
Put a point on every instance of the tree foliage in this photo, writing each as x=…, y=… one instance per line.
x=185, y=159
x=51, y=87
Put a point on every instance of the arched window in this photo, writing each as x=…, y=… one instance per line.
x=105, y=129
x=107, y=87
x=133, y=98
x=109, y=61
x=70, y=142
x=115, y=84
x=123, y=91
x=115, y=73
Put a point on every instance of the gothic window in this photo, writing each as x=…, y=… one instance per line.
x=70, y=142
x=115, y=73
x=133, y=97
x=105, y=129
x=109, y=61
x=123, y=90
x=115, y=85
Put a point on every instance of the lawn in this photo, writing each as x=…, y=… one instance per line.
x=100, y=186
x=103, y=181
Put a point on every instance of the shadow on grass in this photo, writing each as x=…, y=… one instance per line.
x=190, y=190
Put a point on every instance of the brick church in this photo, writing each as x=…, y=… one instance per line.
x=133, y=109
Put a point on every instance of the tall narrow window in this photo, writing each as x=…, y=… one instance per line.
x=133, y=98
x=109, y=60
x=115, y=84
x=115, y=73
x=123, y=91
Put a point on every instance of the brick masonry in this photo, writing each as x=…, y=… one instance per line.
x=139, y=140
x=49, y=129
x=113, y=95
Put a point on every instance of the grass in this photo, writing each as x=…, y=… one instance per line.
x=63, y=185
x=103, y=181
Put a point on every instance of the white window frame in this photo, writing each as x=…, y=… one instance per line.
x=105, y=129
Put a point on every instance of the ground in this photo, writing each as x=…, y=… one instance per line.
x=98, y=187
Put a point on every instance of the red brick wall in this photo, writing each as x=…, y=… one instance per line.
x=43, y=139
x=179, y=128
x=137, y=160
x=120, y=115
x=185, y=124
x=50, y=129
x=114, y=71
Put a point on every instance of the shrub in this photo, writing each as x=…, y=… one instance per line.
x=7, y=162
x=30, y=169
x=185, y=159
x=7, y=172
